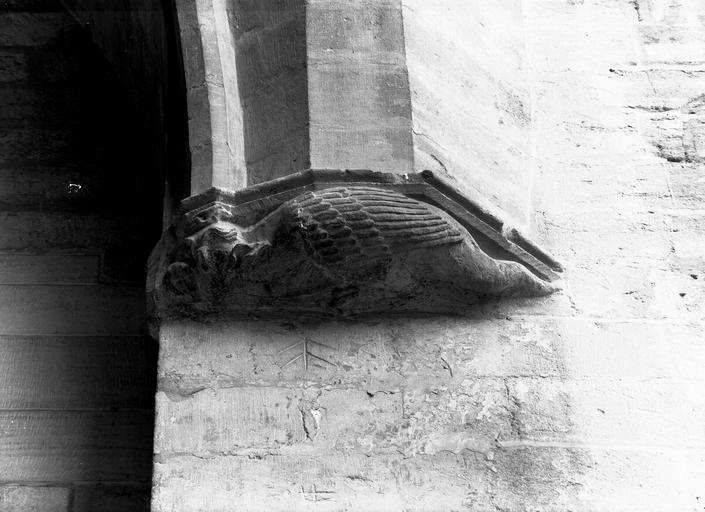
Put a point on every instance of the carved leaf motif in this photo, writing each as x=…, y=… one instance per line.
x=307, y=357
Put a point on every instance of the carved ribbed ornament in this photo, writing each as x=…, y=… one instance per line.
x=339, y=250
x=353, y=226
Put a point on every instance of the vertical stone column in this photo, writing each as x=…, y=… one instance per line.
x=359, y=93
x=275, y=88
x=271, y=60
x=213, y=97
x=289, y=378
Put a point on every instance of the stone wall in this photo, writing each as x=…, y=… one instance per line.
x=587, y=400
x=617, y=88
x=76, y=369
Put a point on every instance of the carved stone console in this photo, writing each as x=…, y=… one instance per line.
x=340, y=243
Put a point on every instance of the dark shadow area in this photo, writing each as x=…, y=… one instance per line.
x=89, y=156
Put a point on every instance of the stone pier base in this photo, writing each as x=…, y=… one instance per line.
x=422, y=414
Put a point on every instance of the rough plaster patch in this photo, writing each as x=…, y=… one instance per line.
x=679, y=135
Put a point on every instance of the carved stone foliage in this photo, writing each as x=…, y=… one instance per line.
x=347, y=248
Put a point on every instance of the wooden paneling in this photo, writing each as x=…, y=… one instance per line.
x=67, y=446
x=71, y=310
x=91, y=372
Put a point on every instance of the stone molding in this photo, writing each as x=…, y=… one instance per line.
x=340, y=243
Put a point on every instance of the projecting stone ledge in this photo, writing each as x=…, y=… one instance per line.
x=339, y=243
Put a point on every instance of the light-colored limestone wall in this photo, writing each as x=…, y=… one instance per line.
x=588, y=400
x=425, y=414
x=618, y=88
x=470, y=98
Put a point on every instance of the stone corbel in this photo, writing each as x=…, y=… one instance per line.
x=340, y=243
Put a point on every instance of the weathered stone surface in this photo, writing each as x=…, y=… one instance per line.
x=275, y=87
x=360, y=109
x=332, y=481
x=235, y=411
x=68, y=446
x=587, y=400
x=93, y=310
x=15, y=65
x=397, y=371
x=470, y=99
x=56, y=268
x=23, y=28
x=39, y=231
x=34, y=499
x=533, y=347
x=263, y=418
x=419, y=417
x=79, y=372
x=341, y=249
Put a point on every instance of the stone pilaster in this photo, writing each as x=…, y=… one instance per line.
x=317, y=321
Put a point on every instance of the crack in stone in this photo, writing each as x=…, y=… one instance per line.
x=637, y=8
x=513, y=408
x=255, y=454
x=304, y=425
